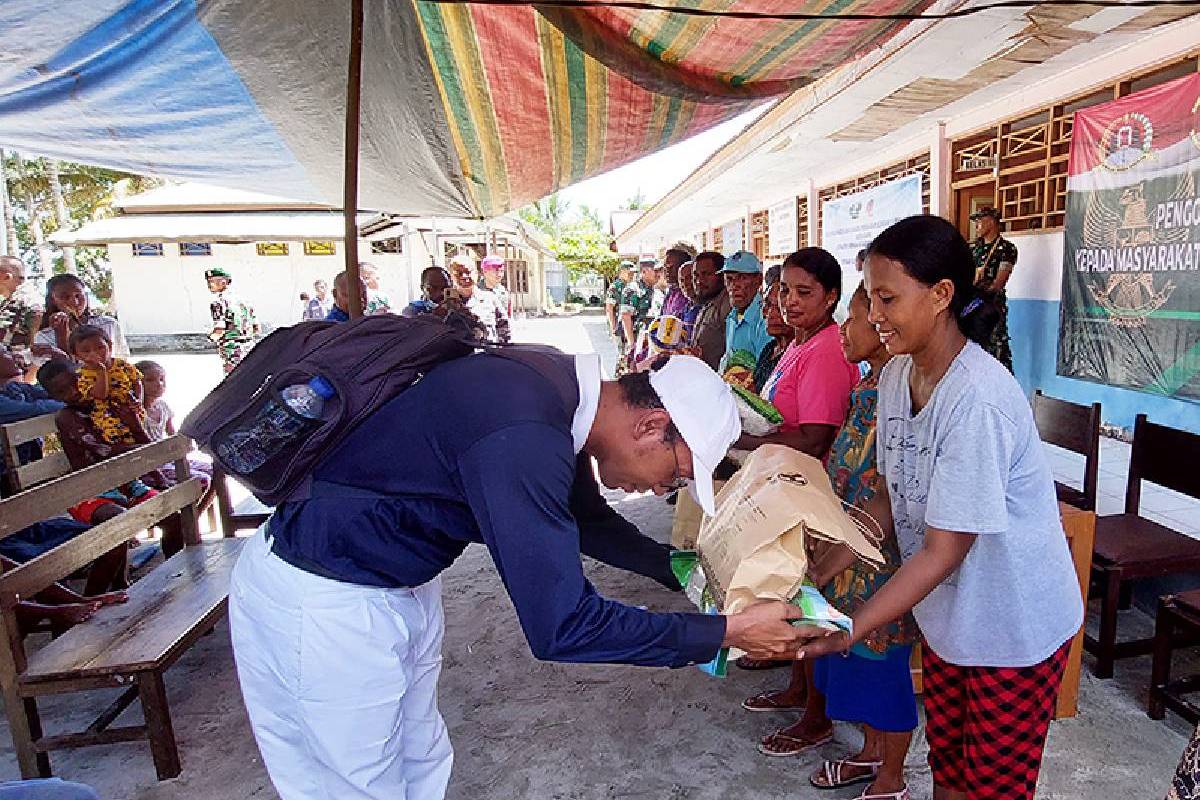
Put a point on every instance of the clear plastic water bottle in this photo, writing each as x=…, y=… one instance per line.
x=275, y=426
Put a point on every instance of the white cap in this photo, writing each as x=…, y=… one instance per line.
x=704, y=412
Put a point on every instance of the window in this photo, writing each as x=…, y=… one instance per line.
x=272, y=248
x=518, y=275
x=195, y=249
x=1025, y=159
x=147, y=248
x=317, y=248
x=802, y=222
x=392, y=245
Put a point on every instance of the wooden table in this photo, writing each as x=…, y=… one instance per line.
x=1080, y=528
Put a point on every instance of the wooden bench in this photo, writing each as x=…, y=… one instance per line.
x=18, y=476
x=126, y=646
x=1076, y=428
x=248, y=514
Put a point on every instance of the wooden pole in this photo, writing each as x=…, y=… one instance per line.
x=350, y=186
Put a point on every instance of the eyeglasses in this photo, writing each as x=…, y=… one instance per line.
x=677, y=480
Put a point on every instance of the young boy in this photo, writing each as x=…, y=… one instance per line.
x=112, y=385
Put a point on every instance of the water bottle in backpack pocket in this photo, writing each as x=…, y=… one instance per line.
x=285, y=417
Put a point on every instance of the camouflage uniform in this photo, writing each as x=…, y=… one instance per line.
x=18, y=321
x=991, y=258
x=240, y=328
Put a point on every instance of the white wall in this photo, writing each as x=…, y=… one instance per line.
x=167, y=294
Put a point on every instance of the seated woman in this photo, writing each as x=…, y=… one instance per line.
x=872, y=686
x=66, y=309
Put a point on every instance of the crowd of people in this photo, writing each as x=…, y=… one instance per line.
x=68, y=359
x=911, y=404
x=922, y=432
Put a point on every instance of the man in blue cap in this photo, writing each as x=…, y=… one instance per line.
x=745, y=329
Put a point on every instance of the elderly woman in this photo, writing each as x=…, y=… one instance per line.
x=777, y=327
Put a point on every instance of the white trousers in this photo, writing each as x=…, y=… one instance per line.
x=340, y=681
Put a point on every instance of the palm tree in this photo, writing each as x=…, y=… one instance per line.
x=11, y=246
x=33, y=217
x=60, y=211
x=547, y=214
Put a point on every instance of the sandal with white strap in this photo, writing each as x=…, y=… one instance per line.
x=831, y=772
x=900, y=795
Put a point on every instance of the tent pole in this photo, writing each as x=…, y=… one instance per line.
x=350, y=172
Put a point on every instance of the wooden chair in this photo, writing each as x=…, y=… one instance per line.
x=18, y=476
x=1076, y=428
x=1129, y=546
x=127, y=646
x=246, y=515
x=1177, y=623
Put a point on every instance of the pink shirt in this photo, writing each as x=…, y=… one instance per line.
x=812, y=382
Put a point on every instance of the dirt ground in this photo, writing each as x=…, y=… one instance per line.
x=525, y=729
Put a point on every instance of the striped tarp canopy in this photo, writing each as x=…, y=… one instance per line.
x=467, y=109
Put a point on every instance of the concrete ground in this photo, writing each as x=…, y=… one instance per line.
x=524, y=729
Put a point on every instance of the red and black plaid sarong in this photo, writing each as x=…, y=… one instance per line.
x=986, y=726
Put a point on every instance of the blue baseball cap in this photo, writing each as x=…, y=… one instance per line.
x=744, y=262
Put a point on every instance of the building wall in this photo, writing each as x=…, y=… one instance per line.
x=167, y=294
x=1034, y=292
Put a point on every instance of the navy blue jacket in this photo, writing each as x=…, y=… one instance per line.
x=479, y=450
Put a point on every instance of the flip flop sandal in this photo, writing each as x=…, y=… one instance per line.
x=832, y=772
x=763, y=702
x=900, y=795
x=804, y=745
x=755, y=664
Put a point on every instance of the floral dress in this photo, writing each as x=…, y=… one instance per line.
x=991, y=257
x=123, y=382
x=853, y=472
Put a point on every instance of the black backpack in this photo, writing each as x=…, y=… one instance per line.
x=368, y=361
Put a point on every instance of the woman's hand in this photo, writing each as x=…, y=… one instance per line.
x=60, y=322
x=822, y=642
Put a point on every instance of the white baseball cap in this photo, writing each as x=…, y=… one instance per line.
x=704, y=412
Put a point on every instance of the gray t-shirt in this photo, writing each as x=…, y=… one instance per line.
x=971, y=462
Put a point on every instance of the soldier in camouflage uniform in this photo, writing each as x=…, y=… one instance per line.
x=234, y=326
x=995, y=258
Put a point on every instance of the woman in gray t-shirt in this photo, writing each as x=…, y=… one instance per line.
x=987, y=572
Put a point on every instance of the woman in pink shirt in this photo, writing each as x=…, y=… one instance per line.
x=812, y=382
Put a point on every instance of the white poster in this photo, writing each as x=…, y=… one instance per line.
x=848, y=224
x=781, y=227
x=732, y=237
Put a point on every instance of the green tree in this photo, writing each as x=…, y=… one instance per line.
x=582, y=248
x=46, y=195
x=548, y=215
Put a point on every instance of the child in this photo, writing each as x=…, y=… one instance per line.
x=84, y=447
x=872, y=686
x=986, y=569
x=160, y=421
x=113, y=385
